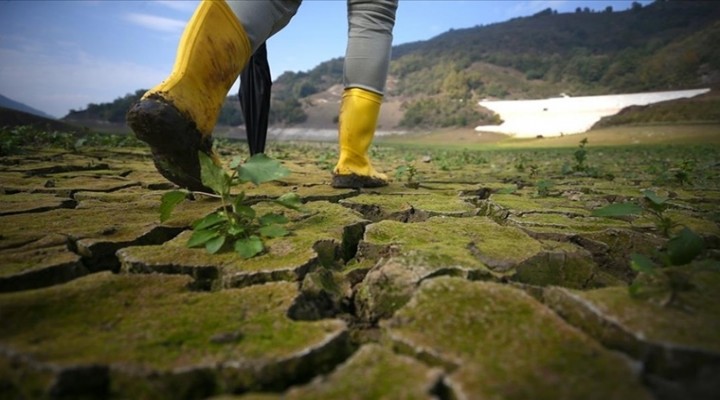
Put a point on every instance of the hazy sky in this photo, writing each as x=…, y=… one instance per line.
x=62, y=55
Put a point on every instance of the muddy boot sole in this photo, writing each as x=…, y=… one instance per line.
x=174, y=141
x=353, y=181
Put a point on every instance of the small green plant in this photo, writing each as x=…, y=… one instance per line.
x=682, y=173
x=534, y=170
x=652, y=204
x=659, y=278
x=237, y=224
x=472, y=158
x=376, y=153
x=581, y=156
x=544, y=186
x=326, y=160
x=520, y=163
x=580, y=166
x=409, y=172
x=655, y=277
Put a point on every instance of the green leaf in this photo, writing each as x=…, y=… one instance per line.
x=208, y=221
x=290, y=200
x=684, y=247
x=399, y=171
x=235, y=162
x=634, y=289
x=654, y=198
x=245, y=211
x=250, y=247
x=199, y=238
x=507, y=190
x=235, y=230
x=238, y=201
x=545, y=184
x=641, y=263
x=261, y=168
x=272, y=218
x=215, y=244
x=618, y=210
x=169, y=201
x=213, y=176
x=273, y=231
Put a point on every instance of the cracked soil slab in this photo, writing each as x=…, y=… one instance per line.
x=142, y=335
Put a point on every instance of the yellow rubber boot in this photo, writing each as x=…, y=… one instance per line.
x=177, y=117
x=358, y=119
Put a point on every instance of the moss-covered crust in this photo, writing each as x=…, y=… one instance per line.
x=151, y=326
x=374, y=258
x=307, y=191
x=524, y=204
x=669, y=339
x=388, y=286
x=32, y=202
x=373, y=372
x=67, y=184
x=612, y=248
x=322, y=236
x=96, y=234
x=505, y=344
x=410, y=205
x=698, y=223
x=563, y=224
x=562, y=264
x=44, y=262
x=475, y=243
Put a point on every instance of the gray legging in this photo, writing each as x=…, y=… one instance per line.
x=369, y=34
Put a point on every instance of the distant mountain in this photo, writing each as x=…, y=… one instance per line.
x=11, y=117
x=666, y=45
x=16, y=105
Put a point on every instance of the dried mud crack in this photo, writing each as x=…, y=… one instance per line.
x=470, y=284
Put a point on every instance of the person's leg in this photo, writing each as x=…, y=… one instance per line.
x=366, y=67
x=177, y=117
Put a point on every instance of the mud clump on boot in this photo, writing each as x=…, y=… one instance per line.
x=173, y=138
x=354, y=181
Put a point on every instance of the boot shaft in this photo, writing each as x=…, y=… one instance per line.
x=213, y=50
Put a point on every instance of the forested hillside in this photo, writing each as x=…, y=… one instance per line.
x=662, y=46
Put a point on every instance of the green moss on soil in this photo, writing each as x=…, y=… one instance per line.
x=483, y=328
x=17, y=383
x=83, y=223
x=32, y=202
x=518, y=204
x=285, y=258
x=469, y=243
x=558, y=223
x=430, y=202
x=560, y=264
x=373, y=372
x=155, y=322
x=647, y=321
x=15, y=262
x=389, y=285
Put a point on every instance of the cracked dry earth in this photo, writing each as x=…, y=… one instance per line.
x=471, y=286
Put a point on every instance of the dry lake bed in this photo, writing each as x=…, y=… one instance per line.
x=580, y=273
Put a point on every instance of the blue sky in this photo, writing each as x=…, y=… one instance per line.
x=62, y=55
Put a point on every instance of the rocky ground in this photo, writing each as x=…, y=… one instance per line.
x=473, y=275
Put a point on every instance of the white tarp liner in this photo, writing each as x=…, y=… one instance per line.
x=566, y=115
